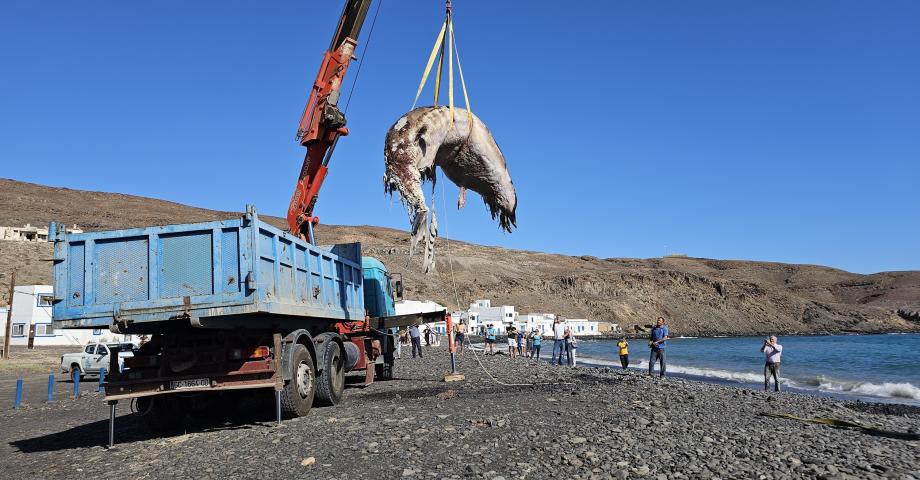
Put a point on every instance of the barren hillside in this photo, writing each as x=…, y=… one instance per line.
x=698, y=296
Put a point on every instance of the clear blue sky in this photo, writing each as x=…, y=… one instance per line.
x=785, y=131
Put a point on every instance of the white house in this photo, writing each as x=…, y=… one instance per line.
x=538, y=321
x=583, y=327
x=482, y=313
x=28, y=233
x=32, y=309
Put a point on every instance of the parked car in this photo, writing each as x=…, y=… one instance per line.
x=95, y=357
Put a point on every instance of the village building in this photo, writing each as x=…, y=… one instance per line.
x=32, y=316
x=29, y=233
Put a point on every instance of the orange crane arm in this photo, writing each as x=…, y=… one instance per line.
x=322, y=122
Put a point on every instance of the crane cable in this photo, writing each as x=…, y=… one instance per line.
x=445, y=41
x=367, y=46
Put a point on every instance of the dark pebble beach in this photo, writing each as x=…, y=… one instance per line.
x=529, y=421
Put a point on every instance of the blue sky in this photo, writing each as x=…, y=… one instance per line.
x=785, y=131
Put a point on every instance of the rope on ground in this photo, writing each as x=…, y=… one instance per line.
x=833, y=422
x=492, y=377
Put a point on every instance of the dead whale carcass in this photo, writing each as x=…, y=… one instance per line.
x=424, y=139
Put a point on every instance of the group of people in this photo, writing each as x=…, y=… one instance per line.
x=658, y=343
x=521, y=343
x=527, y=344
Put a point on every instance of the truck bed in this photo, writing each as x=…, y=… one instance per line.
x=241, y=270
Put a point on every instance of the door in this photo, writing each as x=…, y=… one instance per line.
x=89, y=353
x=101, y=358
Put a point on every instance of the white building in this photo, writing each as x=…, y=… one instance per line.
x=583, y=327
x=32, y=309
x=482, y=313
x=29, y=233
x=538, y=321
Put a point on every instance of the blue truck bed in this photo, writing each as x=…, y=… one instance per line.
x=242, y=269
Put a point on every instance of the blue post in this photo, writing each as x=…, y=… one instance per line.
x=76, y=384
x=18, y=401
x=101, y=379
x=50, y=387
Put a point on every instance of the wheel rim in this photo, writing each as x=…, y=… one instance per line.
x=338, y=380
x=303, y=379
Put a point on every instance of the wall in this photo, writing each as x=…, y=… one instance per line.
x=31, y=305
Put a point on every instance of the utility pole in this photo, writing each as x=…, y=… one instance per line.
x=9, y=319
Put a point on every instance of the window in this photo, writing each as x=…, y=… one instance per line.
x=44, y=330
x=96, y=331
x=45, y=299
x=101, y=350
x=89, y=349
x=19, y=330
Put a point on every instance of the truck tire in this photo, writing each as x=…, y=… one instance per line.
x=297, y=395
x=75, y=370
x=330, y=385
x=162, y=414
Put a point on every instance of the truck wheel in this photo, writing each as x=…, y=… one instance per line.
x=331, y=382
x=297, y=396
x=162, y=414
x=75, y=370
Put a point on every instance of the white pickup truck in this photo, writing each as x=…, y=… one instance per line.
x=95, y=357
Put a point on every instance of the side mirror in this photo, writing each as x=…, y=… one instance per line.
x=399, y=289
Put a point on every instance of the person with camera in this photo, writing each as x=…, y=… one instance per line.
x=772, y=351
x=658, y=341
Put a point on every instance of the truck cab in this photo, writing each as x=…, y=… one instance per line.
x=380, y=291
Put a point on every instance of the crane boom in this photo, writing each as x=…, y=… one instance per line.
x=322, y=122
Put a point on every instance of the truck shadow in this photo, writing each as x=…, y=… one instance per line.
x=130, y=428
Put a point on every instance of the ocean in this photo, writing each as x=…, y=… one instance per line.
x=869, y=367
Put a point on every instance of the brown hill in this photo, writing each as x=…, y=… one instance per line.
x=698, y=296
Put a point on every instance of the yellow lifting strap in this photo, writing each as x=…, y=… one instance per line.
x=466, y=98
x=434, y=54
x=437, y=51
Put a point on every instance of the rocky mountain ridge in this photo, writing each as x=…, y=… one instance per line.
x=699, y=296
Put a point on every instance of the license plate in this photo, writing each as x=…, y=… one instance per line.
x=193, y=383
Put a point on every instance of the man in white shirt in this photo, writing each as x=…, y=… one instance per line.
x=558, y=340
x=773, y=353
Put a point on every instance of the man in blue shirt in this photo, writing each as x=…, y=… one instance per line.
x=658, y=341
x=416, y=338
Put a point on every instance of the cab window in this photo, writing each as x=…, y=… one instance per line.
x=101, y=350
x=90, y=348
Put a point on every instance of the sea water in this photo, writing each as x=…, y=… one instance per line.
x=869, y=367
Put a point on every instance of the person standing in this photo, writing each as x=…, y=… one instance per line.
x=460, y=336
x=528, y=348
x=623, y=345
x=512, y=341
x=427, y=336
x=772, y=352
x=416, y=338
x=490, y=339
x=658, y=341
x=571, y=346
x=521, y=342
x=558, y=340
x=537, y=341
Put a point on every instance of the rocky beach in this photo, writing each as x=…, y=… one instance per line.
x=519, y=420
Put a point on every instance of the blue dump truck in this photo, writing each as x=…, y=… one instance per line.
x=227, y=306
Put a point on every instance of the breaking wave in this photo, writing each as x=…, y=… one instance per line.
x=903, y=390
